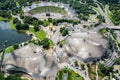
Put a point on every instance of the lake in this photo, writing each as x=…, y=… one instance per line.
x=12, y=36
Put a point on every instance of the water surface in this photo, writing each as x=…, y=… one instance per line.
x=12, y=36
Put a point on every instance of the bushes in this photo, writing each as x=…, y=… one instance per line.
x=46, y=23
x=16, y=21
x=83, y=66
x=82, y=17
x=71, y=74
x=22, y=27
x=36, y=28
x=15, y=46
x=105, y=70
x=64, y=31
x=31, y=20
x=43, y=9
x=46, y=43
x=2, y=76
x=117, y=61
x=76, y=63
x=10, y=77
x=115, y=10
x=101, y=18
x=5, y=14
x=65, y=20
x=61, y=43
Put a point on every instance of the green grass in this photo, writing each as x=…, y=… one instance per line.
x=51, y=44
x=100, y=73
x=4, y=19
x=37, y=2
x=39, y=34
x=9, y=49
x=12, y=25
x=46, y=23
x=71, y=75
x=102, y=31
x=62, y=42
x=46, y=8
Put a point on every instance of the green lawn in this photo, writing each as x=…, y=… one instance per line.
x=9, y=49
x=4, y=19
x=71, y=75
x=12, y=25
x=39, y=34
x=51, y=44
x=62, y=42
x=46, y=8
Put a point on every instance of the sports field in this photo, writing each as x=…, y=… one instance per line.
x=48, y=8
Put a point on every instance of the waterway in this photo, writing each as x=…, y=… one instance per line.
x=12, y=36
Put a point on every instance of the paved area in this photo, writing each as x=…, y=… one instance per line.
x=42, y=16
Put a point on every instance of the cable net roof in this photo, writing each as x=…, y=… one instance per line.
x=86, y=45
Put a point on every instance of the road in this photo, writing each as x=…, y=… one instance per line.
x=114, y=55
x=96, y=72
x=104, y=14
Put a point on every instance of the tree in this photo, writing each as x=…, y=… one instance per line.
x=16, y=46
x=1, y=50
x=82, y=66
x=76, y=63
x=2, y=76
x=36, y=28
x=45, y=23
x=64, y=31
x=25, y=27
x=117, y=61
x=50, y=20
x=13, y=77
x=105, y=70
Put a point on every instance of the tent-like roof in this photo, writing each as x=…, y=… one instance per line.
x=86, y=45
x=30, y=59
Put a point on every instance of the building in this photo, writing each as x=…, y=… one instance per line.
x=30, y=60
x=86, y=46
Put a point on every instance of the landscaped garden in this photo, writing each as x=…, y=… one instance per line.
x=11, y=48
x=46, y=9
x=71, y=75
x=10, y=77
x=39, y=34
x=92, y=71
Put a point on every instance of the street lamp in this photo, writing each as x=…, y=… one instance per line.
x=2, y=57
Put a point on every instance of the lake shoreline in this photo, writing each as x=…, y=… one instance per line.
x=11, y=35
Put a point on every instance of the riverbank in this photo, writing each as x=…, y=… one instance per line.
x=12, y=25
x=4, y=19
x=9, y=49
